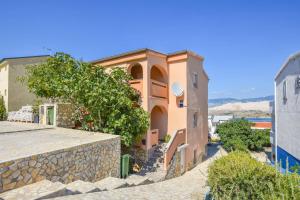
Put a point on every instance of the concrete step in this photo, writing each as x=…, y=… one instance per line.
x=81, y=187
x=134, y=180
x=110, y=183
x=40, y=190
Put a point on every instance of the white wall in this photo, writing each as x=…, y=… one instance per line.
x=288, y=113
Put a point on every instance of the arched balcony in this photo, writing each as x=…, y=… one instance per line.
x=158, y=126
x=159, y=82
x=136, y=71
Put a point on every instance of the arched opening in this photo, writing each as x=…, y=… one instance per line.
x=136, y=71
x=159, y=120
x=158, y=74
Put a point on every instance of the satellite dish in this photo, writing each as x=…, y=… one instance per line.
x=177, y=89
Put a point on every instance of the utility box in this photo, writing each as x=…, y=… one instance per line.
x=125, y=166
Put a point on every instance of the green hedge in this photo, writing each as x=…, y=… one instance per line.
x=239, y=176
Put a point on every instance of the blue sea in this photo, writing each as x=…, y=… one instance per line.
x=266, y=119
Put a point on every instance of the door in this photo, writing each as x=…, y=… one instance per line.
x=50, y=115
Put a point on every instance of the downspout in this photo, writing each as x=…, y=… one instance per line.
x=276, y=119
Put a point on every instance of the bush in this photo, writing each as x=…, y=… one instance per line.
x=2, y=109
x=239, y=176
x=238, y=135
x=167, y=138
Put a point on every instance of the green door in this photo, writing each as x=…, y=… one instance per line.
x=50, y=115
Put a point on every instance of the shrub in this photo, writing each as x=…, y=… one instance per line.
x=167, y=138
x=2, y=109
x=238, y=135
x=239, y=176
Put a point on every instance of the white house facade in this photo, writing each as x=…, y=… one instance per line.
x=286, y=140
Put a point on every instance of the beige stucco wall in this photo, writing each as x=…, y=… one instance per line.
x=18, y=94
x=177, y=116
x=4, y=67
x=197, y=101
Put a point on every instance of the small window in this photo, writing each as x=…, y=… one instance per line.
x=297, y=82
x=181, y=103
x=42, y=110
x=195, y=80
x=5, y=92
x=195, y=120
x=284, y=92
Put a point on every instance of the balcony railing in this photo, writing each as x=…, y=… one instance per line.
x=159, y=89
x=177, y=139
x=137, y=84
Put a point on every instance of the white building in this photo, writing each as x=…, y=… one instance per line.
x=287, y=112
x=215, y=120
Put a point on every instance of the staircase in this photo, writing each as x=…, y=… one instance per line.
x=46, y=189
x=153, y=169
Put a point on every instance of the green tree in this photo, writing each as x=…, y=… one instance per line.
x=2, y=109
x=238, y=135
x=103, y=100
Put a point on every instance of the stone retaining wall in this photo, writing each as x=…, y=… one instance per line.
x=64, y=115
x=174, y=169
x=88, y=162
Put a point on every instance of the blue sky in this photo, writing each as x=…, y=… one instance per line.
x=244, y=42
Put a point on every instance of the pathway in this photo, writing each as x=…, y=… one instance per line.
x=192, y=185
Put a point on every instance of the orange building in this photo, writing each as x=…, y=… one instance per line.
x=174, y=90
x=261, y=125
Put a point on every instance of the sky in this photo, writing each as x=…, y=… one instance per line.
x=244, y=43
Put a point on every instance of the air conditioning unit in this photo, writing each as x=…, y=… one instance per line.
x=297, y=83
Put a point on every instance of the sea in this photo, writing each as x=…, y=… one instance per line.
x=260, y=119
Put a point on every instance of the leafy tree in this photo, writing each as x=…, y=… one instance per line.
x=238, y=135
x=103, y=100
x=2, y=109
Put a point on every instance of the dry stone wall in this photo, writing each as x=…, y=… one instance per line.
x=88, y=162
x=64, y=116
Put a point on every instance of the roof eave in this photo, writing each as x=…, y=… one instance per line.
x=291, y=57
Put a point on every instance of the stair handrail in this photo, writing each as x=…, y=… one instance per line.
x=178, y=138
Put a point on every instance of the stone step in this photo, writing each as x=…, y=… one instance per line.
x=39, y=190
x=110, y=183
x=134, y=180
x=81, y=187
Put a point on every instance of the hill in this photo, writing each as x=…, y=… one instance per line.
x=222, y=101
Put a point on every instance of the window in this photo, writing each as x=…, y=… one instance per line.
x=297, y=82
x=181, y=103
x=195, y=80
x=5, y=91
x=284, y=92
x=195, y=120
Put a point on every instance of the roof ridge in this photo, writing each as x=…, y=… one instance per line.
x=20, y=57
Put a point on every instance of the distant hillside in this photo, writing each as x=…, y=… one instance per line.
x=222, y=101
